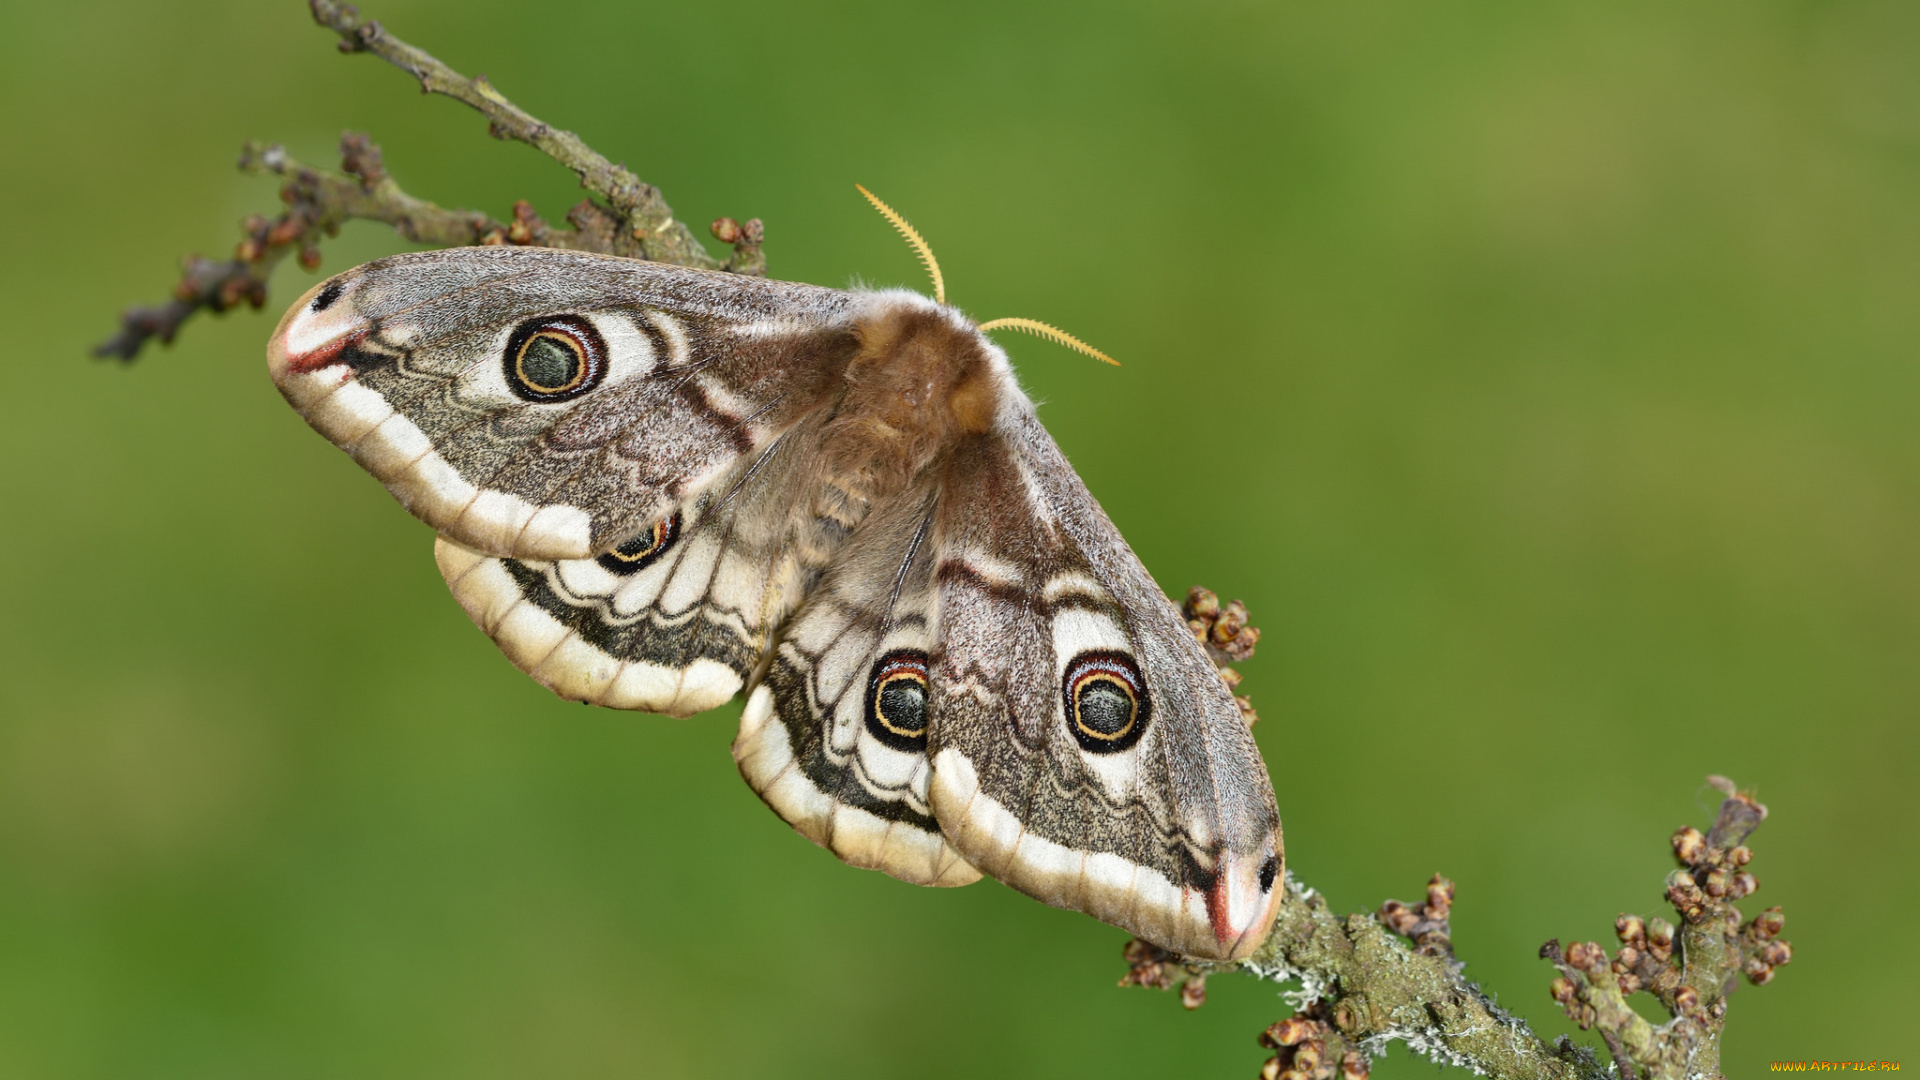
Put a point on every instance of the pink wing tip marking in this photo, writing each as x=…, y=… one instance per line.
x=1238, y=909
x=326, y=354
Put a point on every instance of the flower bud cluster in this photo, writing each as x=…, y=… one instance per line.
x=1155, y=968
x=1426, y=925
x=1227, y=637
x=526, y=227
x=730, y=231
x=1708, y=874
x=1764, y=950
x=1645, y=960
x=1223, y=628
x=1314, y=1045
x=1654, y=955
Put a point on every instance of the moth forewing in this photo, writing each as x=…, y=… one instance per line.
x=417, y=366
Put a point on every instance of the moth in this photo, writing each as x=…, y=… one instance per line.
x=657, y=487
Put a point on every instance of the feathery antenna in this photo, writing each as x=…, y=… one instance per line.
x=1051, y=333
x=913, y=237
x=1031, y=326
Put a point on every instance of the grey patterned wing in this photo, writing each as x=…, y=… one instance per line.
x=1085, y=750
x=542, y=404
x=677, y=619
x=834, y=736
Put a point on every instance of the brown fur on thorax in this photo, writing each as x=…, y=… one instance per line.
x=918, y=385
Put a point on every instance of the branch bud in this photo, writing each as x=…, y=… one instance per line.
x=1630, y=930
x=1716, y=883
x=1689, y=846
x=1686, y=1000
x=1586, y=956
x=1289, y=1032
x=1563, y=990
x=1202, y=604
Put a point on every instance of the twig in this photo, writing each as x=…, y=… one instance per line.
x=1690, y=972
x=318, y=202
x=1619, y=1053
x=1362, y=987
x=645, y=225
x=1365, y=982
x=634, y=221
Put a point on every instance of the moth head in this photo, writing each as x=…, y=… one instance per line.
x=921, y=371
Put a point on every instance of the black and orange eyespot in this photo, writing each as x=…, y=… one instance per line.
x=555, y=358
x=1106, y=701
x=644, y=550
x=897, y=700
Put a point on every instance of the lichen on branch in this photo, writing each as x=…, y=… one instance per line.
x=1368, y=981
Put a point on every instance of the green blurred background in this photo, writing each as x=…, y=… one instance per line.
x=1542, y=375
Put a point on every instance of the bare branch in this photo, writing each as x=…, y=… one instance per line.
x=1366, y=982
x=634, y=220
x=645, y=225
x=318, y=203
x=1690, y=972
